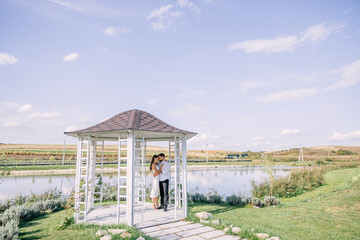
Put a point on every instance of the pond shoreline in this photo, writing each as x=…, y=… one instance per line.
x=114, y=170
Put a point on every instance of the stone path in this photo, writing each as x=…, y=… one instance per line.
x=186, y=230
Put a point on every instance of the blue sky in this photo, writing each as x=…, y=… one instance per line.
x=256, y=75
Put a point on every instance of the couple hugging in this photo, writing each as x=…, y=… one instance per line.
x=161, y=172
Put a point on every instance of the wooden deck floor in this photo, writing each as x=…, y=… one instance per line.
x=107, y=216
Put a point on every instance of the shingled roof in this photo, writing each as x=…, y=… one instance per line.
x=132, y=120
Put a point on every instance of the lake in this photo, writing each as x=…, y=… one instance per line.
x=225, y=181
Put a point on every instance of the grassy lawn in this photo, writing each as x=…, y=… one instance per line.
x=46, y=227
x=331, y=211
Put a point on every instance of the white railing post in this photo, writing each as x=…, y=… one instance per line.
x=184, y=190
x=130, y=180
x=176, y=180
x=92, y=174
x=77, y=181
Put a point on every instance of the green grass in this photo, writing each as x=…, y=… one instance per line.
x=46, y=227
x=331, y=211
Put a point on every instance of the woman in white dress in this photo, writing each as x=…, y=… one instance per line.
x=155, y=186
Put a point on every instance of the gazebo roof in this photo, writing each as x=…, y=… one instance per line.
x=131, y=120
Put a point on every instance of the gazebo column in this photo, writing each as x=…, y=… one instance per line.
x=130, y=179
x=137, y=164
x=184, y=189
x=92, y=179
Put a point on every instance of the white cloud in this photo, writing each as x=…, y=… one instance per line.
x=256, y=139
x=186, y=110
x=319, y=32
x=110, y=31
x=45, y=115
x=312, y=35
x=201, y=139
x=114, y=31
x=6, y=59
x=11, y=124
x=71, y=57
x=153, y=102
x=346, y=135
x=190, y=5
x=350, y=76
x=289, y=131
x=163, y=17
x=292, y=95
x=279, y=44
x=159, y=13
x=25, y=108
x=72, y=128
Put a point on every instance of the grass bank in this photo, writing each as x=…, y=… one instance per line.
x=46, y=227
x=331, y=211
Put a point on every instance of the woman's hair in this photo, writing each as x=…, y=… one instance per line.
x=153, y=160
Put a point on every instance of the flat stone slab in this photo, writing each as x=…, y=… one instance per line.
x=169, y=237
x=150, y=229
x=174, y=224
x=212, y=234
x=190, y=226
x=195, y=231
x=108, y=215
x=163, y=232
x=193, y=238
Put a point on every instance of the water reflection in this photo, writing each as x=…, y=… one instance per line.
x=225, y=181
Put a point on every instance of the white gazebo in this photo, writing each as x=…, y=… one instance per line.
x=132, y=130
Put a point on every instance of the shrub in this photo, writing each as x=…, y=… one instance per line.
x=271, y=201
x=66, y=222
x=234, y=200
x=328, y=159
x=198, y=198
x=257, y=202
x=319, y=162
x=28, y=212
x=11, y=218
x=345, y=152
x=24, y=199
x=297, y=182
x=216, y=199
x=10, y=231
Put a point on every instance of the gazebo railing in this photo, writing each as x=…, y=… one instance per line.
x=82, y=179
x=122, y=189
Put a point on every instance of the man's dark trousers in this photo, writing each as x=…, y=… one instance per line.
x=164, y=192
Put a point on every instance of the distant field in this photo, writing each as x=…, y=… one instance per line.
x=46, y=154
x=318, y=153
x=52, y=154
